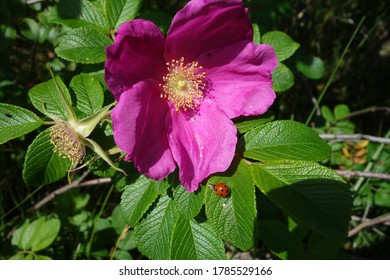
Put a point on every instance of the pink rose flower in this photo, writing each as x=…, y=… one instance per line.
x=177, y=95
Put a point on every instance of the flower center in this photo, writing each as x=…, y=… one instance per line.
x=184, y=84
x=66, y=141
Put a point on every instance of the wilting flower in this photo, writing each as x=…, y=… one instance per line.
x=69, y=136
x=176, y=95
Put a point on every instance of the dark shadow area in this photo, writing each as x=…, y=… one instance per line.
x=321, y=210
x=68, y=9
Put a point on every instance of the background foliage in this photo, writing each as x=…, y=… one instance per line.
x=84, y=220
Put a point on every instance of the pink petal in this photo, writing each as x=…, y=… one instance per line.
x=139, y=129
x=202, y=143
x=239, y=77
x=136, y=55
x=206, y=24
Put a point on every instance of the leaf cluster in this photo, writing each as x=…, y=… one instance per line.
x=278, y=193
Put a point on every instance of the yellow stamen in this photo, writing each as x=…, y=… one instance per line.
x=184, y=85
x=67, y=142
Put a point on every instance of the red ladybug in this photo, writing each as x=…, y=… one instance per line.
x=221, y=190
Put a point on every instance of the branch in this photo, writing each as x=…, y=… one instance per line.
x=357, y=174
x=371, y=109
x=369, y=223
x=70, y=186
x=355, y=137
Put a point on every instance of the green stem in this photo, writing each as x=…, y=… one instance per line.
x=330, y=80
x=91, y=239
x=20, y=203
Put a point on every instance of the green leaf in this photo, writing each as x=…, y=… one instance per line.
x=81, y=13
x=284, y=140
x=101, y=168
x=154, y=234
x=29, y=232
x=30, y=29
x=99, y=76
x=285, y=244
x=267, y=210
x=89, y=93
x=139, y=196
x=196, y=241
x=17, y=236
x=249, y=123
x=381, y=196
x=311, y=194
x=21, y=256
x=16, y=121
x=121, y=11
x=256, y=34
x=80, y=201
x=7, y=36
x=122, y=255
x=117, y=219
x=282, y=43
x=42, y=165
x=189, y=204
x=324, y=247
x=233, y=218
x=299, y=230
x=83, y=45
x=47, y=99
x=311, y=66
x=327, y=113
x=128, y=242
x=282, y=78
x=37, y=235
x=45, y=234
x=41, y=257
x=341, y=111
